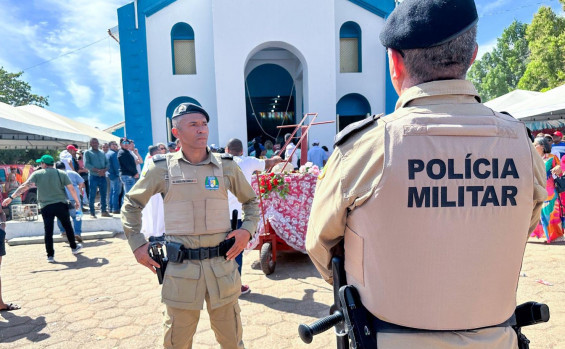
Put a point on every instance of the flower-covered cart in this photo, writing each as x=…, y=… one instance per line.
x=285, y=200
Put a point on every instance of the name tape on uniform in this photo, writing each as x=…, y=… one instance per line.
x=461, y=196
x=180, y=181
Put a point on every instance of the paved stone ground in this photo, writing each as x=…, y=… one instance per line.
x=104, y=299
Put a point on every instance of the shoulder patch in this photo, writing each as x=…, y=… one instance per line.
x=353, y=128
x=226, y=156
x=158, y=157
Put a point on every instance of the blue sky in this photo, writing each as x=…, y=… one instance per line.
x=86, y=85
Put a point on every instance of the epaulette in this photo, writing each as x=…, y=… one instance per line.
x=158, y=157
x=353, y=128
x=226, y=156
x=528, y=131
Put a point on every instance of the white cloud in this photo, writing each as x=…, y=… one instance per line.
x=86, y=82
x=490, y=7
x=486, y=47
x=94, y=122
x=82, y=95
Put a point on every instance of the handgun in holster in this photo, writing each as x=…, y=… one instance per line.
x=356, y=327
x=157, y=253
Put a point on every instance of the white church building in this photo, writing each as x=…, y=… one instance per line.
x=253, y=65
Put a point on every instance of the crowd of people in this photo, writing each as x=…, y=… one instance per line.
x=317, y=155
x=551, y=148
x=109, y=170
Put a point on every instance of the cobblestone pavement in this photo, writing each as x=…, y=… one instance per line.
x=104, y=299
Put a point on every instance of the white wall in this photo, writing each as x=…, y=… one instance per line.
x=164, y=86
x=229, y=33
x=244, y=27
x=371, y=81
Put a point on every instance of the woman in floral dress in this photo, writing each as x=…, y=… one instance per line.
x=551, y=223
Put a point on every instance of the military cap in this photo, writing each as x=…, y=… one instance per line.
x=427, y=23
x=190, y=108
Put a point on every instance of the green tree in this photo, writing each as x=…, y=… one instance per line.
x=16, y=92
x=25, y=156
x=546, y=40
x=498, y=72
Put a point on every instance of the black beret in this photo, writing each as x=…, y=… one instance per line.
x=190, y=108
x=427, y=23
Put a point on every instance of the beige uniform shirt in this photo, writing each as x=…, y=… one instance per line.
x=186, y=283
x=355, y=169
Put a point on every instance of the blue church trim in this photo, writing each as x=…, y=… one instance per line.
x=391, y=96
x=135, y=75
x=353, y=104
x=381, y=8
x=158, y=6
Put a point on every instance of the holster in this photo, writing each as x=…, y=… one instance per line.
x=156, y=253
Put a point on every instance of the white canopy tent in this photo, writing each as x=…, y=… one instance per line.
x=542, y=111
x=32, y=127
x=510, y=99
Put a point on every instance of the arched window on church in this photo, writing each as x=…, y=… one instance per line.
x=351, y=108
x=350, y=48
x=182, y=45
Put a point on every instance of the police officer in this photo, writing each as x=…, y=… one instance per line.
x=434, y=202
x=194, y=183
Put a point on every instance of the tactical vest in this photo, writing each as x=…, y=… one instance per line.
x=196, y=202
x=439, y=244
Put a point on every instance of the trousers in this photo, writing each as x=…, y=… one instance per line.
x=180, y=325
x=61, y=211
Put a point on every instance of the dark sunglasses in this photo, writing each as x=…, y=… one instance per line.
x=126, y=142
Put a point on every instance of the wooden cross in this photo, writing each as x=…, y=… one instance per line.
x=303, y=140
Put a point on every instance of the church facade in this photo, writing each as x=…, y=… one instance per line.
x=253, y=65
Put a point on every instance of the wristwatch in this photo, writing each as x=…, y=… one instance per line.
x=11, y=197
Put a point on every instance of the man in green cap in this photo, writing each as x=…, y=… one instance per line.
x=434, y=202
x=52, y=201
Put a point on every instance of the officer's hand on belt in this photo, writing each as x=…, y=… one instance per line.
x=242, y=237
x=143, y=257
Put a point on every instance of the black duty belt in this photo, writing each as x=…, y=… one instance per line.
x=387, y=327
x=177, y=253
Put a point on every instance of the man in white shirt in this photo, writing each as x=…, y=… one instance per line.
x=289, y=149
x=248, y=165
x=67, y=157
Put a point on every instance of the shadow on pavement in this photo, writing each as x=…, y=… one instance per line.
x=307, y=306
x=290, y=265
x=18, y=327
x=82, y=262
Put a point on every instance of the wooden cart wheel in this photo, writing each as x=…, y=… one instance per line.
x=266, y=258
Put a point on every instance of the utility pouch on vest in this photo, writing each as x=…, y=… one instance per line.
x=174, y=252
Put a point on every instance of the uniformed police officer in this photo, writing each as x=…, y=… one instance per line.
x=194, y=183
x=434, y=202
